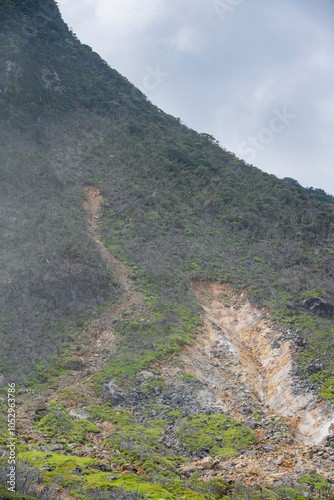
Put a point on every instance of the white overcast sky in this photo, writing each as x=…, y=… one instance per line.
x=256, y=74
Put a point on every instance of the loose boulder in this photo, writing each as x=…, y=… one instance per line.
x=207, y=463
x=112, y=393
x=80, y=414
x=319, y=306
x=315, y=367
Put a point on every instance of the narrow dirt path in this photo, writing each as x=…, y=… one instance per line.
x=94, y=345
x=130, y=298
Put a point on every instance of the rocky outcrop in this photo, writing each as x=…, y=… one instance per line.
x=80, y=414
x=249, y=363
x=112, y=393
x=320, y=307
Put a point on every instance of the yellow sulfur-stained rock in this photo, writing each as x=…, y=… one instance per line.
x=207, y=463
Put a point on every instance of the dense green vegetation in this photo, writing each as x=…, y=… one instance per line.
x=318, y=194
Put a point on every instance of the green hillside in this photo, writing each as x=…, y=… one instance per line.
x=178, y=208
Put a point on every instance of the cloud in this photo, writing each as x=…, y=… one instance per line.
x=128, y=18
x=225, y=76
x=188, y=40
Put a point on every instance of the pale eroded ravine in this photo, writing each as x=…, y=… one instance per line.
x=246, y=336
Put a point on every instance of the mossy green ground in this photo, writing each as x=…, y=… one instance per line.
x=222, y=434
x=64, y=471
x=139, y=443
x=83, y=477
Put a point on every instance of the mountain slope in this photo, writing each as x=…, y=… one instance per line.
x=182, y=409
x=118, y=225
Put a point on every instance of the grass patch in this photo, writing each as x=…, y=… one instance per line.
x=187, y=377
x=314, y=480
x=168, y=328
x=73, y=395
x=80, y=475
x=138, y=443
x=221, y=434
x=59, y=423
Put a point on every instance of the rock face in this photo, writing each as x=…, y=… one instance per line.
x=81, y=414
x=249, y=361
x=40, y=408
x=112, y=393
x=207, y=463
x=320, y=307
x=55, y=447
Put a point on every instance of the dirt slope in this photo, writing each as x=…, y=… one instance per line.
x=246, y=362
x=260, y=359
